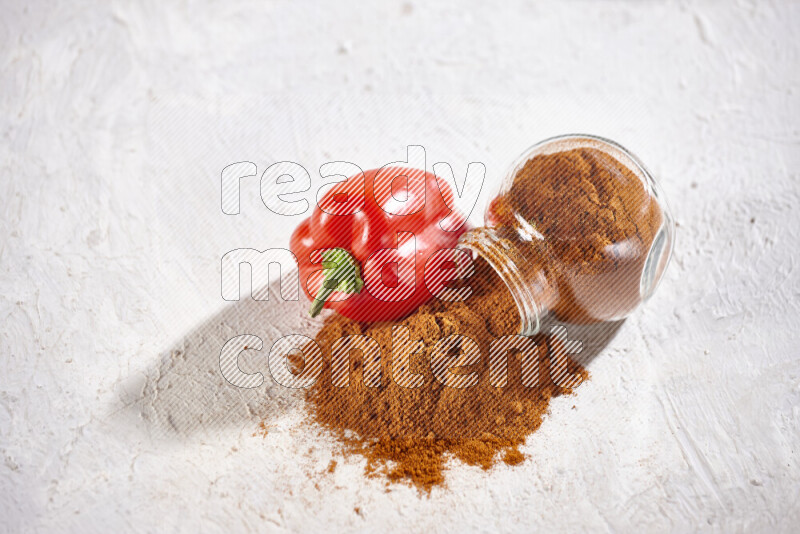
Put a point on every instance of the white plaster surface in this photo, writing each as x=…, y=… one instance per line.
x=116, y=120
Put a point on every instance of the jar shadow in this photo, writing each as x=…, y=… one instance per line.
x=589, y=339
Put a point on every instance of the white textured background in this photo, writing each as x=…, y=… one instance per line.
x=116, y=120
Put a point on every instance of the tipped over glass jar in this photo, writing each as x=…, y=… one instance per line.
x=579, y=228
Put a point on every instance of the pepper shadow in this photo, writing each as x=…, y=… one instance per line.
x=184, y=392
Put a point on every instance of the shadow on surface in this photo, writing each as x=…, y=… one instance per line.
x=593, y=338
x=184, y=392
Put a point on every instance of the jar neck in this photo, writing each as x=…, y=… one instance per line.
x=520, y=268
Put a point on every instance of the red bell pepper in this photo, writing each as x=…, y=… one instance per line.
x=364, y=249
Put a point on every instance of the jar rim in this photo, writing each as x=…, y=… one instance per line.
x=485, y=242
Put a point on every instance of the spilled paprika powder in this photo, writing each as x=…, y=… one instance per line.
x=408, y=433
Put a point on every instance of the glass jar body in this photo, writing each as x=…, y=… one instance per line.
x=578, y=228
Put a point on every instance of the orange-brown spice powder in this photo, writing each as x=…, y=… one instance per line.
x=409, y=433
x=597, y=221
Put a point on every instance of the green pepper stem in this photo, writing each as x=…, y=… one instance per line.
x=341, y=274
x=319, y=301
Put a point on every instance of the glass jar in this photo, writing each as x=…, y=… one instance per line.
x=579, y=228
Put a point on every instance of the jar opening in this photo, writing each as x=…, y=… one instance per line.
x=501, y=254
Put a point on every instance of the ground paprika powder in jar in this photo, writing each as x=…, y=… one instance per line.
x=579, y=228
